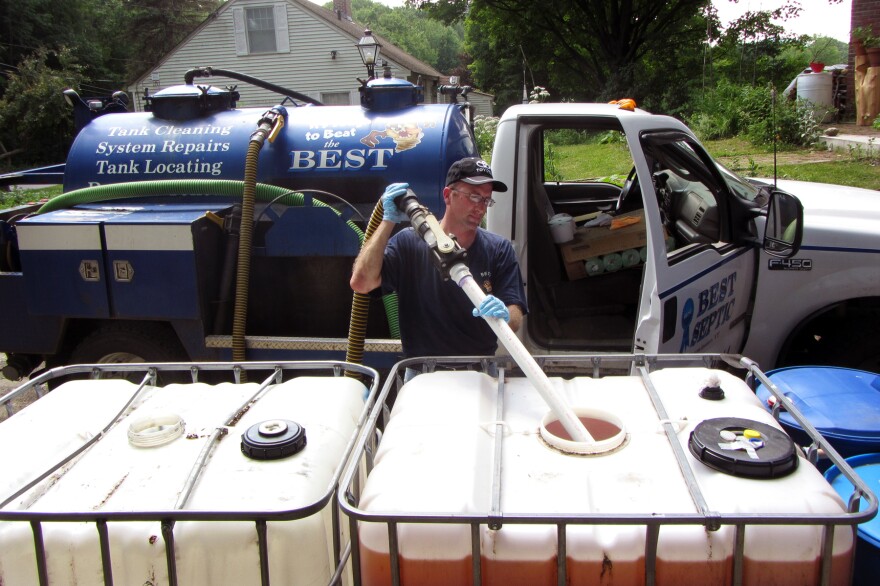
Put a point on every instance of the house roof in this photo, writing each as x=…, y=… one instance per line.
x=349, y=27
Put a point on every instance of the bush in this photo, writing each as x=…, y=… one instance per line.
x=729, y=110
x=485, y=128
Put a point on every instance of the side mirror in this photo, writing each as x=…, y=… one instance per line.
x=785, y=225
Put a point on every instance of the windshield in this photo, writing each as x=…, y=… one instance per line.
x=740, y=187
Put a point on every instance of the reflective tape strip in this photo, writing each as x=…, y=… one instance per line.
x=148, y=237
x=58, y=237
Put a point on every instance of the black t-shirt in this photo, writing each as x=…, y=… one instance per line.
x=435, y=315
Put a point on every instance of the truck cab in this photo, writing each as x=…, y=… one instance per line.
x=693, y=253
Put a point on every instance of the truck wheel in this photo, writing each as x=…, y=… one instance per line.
x=121, y=343
x=854, y=346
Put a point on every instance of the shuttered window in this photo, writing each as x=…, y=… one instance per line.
x=261, y=29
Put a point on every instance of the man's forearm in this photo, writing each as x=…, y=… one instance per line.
x=367, y=272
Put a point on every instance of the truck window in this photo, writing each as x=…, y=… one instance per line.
x=688, y=192
x=583, y=169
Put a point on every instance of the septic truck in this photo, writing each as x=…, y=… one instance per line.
x=200, y=231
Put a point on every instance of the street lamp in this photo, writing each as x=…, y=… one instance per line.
x=369, y=50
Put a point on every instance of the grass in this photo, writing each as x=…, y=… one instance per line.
x=854, y=168
x=19, y=196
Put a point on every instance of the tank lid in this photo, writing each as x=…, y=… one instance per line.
x=273, y=439
x=186, y=102
x=389, y=93
x=744, y=448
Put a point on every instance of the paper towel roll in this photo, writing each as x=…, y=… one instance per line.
x=562, y=228
x=612, y=262
x=594, y=266
x=630, y=257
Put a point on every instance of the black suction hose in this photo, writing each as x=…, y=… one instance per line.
x=209, y=71
x=360, y=305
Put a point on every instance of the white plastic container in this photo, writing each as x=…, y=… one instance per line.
x=115, y=476
x=562, y=228
x=436, y=457
x=814, y=90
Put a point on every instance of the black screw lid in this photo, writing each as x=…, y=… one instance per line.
x=273, y=439
x=777, y=457
x=712, y=393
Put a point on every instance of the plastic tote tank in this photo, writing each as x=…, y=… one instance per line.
x=439, y=466
x=814, y=90
x=146, y=463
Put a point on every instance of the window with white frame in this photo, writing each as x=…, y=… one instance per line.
x=261, y=29
x=336, y=98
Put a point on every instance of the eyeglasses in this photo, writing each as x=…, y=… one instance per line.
x=476, y=198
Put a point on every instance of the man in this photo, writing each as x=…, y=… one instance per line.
x=436, y=316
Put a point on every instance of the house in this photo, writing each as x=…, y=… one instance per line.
x=294, y=44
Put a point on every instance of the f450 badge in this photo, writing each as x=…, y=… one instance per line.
x=790, y=264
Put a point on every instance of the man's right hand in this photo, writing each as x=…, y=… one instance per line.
x=389, y=208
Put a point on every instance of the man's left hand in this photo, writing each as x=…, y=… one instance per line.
x=491, y=306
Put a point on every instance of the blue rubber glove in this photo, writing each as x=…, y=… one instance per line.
x=492, y=307
x=389, y=208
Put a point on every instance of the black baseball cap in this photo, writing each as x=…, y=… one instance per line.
x=475, y=171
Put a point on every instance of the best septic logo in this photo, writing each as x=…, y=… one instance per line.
x=714, y=307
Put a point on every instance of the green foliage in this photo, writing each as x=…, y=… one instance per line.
x=593, y=50
x=154, y=27
x=18, y=196
x=485, y=128
x=31, y=108
x=415, y=32
x=729, y=110
x=876, y=123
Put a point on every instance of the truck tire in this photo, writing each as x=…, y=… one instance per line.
x=854, y=346
x=127, y=342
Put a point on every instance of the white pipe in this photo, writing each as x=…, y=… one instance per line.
x=575, y=428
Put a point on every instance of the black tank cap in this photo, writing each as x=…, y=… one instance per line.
x=273, y=439
x=777, y=457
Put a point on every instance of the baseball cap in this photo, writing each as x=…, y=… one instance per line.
x=475, y=171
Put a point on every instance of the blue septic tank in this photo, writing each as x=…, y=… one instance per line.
x=353, y=152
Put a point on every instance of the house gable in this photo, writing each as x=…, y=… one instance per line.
x=319, y=57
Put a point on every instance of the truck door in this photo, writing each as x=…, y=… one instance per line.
x=697, y=293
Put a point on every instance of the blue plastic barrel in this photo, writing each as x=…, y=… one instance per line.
x=867, y=564
x=843, y=404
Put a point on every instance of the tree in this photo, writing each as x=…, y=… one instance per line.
x=33, y=115
x=153, y=27
x=588, y=49
x=437, y=44
x=603, y=49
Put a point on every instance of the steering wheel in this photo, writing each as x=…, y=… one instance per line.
x=631, y=181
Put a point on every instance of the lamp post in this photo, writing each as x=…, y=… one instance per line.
x=369, y=50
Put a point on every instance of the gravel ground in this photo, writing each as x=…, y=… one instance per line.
x=7, y=385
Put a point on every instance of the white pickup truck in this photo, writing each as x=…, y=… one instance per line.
x=714, y=274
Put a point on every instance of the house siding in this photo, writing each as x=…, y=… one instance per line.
x=307, y=68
